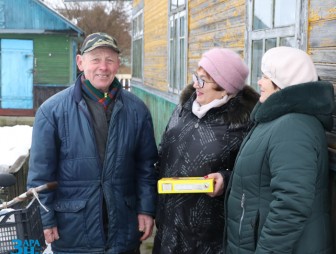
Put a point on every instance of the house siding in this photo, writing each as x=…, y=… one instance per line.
x=322, y=48
x=52, y=68
x=52, y=60
x=210, y=23
x=160, y=108
x=322, y=37
x=54, y=45
x=155, y=43
x=30, y=14
x=223, y=23
x=214, y=23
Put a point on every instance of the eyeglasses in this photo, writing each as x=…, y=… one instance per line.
x=199, y=80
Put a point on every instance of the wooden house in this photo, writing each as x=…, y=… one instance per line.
x=170, y=36
x=38, y=49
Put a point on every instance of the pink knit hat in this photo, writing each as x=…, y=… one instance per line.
x=226, y=68
x=287, y=66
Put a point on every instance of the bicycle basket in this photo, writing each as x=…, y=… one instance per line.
x=23, y=225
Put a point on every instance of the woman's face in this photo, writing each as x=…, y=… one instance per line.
x=207, y=93
x=267, y=88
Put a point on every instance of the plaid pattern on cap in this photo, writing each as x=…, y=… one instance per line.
x=96, y=40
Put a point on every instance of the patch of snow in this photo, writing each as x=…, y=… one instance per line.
x=15, y=142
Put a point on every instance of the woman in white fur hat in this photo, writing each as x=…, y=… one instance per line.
x=277, y=199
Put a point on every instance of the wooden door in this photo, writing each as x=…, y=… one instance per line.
x=16, y=74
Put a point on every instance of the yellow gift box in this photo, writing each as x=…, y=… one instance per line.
x=175, y=185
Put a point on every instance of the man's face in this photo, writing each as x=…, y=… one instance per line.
x=100, y=66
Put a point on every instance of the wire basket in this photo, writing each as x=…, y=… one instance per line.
x=21, y=231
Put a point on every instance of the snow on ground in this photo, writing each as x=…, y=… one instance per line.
x=15, y=142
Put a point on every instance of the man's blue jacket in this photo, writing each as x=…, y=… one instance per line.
x=64, y=150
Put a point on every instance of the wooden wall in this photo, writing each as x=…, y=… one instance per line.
x=52, y=67
x=53, y=62
x=211, y=23
x=322, y=37
x=214, y=23
x=155, y=43
x=31, y=15
x=53, y=59
x=322, y=47
x=160, y=108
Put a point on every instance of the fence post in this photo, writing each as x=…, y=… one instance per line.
x=125, y=80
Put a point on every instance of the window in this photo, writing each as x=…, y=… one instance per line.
x=137, y=46
x=177, y=46
x=273, y=23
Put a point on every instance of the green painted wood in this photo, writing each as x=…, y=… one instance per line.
x=160, y=108
x=53, y=58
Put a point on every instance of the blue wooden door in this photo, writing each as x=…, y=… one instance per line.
x=16, y=74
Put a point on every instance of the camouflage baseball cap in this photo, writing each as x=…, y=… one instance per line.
x=96, y=40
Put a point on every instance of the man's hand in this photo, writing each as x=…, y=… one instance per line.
x=146, y=224
x=51, y=234
x=218, y=182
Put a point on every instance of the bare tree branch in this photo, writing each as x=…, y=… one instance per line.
x=112, y=18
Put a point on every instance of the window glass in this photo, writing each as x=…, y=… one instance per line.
x=134, y=27
x=263, y=14
x=284, y=13
x=270, y=43
x=174, y=4
x=177, y=3
x=257, y=52
x=287, y=41
x=181, y=2
x=137, y=59
x=182, y=71
x=182, y=26
x=137, y=46
x=173, y=64
x=177, y=47
x=272, y=23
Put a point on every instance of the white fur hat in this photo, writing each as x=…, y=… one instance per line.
x=287, y=66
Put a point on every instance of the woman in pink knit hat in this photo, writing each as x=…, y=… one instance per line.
x=202, y=138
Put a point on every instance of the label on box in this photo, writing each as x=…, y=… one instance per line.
x=185, y=185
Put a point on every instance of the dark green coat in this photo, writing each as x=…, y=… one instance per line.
x=277, y=199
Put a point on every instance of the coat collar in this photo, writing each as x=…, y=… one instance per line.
x=313, y=98
x=235, y=112
x=78, y=89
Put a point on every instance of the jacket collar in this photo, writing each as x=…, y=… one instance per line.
x=78, y=88
x=236, y=111
x=313, y=98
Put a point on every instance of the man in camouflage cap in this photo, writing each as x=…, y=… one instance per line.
x=96, y=40
x=97, y=141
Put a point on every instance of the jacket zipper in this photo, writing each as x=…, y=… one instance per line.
x=242, y=205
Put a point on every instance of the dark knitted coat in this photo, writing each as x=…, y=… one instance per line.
x=193, y=223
